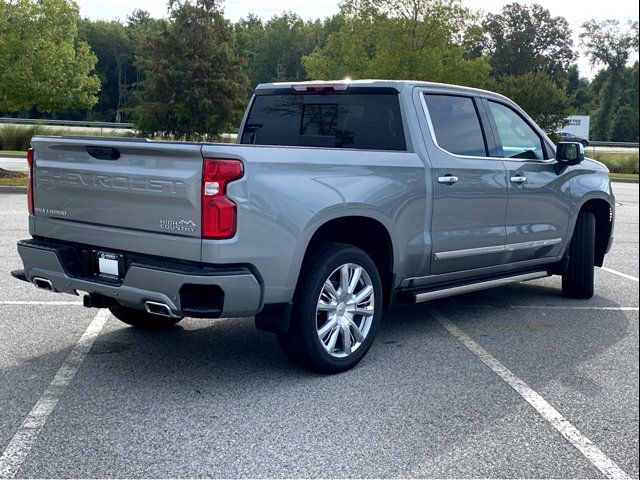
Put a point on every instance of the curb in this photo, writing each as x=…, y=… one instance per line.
x=12, y=189
x=13, y=155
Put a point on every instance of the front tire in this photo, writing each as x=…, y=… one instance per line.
x=578, y=280
x=141, y=319
x=337, y=308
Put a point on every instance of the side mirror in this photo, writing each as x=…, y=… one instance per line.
x=569, y=153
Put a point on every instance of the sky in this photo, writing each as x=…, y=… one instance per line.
x=575, y=11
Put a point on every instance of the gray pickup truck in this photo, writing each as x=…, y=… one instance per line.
x=339, y=200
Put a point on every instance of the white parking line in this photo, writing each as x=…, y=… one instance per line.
x=620, y=274
x=17, y=302
x=24, y=439
x=549, y=307
x=589, y=449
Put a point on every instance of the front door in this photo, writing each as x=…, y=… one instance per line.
x=538, y=207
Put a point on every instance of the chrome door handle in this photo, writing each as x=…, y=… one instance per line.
x=518, y=179
x=448, y=179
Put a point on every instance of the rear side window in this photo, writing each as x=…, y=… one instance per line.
x=456, y=125
x=343, y=120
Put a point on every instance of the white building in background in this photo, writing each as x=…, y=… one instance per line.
x=578, y=125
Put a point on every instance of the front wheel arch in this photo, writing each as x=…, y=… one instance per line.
x=603, y=213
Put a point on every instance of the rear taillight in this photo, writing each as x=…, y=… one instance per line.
x=30, y=181
x=219, y=213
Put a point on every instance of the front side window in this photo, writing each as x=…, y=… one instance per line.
x=518, y=139
x=336, y=120
x=456, y=125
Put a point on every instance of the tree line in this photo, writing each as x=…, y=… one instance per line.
x=190, y=74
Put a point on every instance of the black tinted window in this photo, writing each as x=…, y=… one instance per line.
x=347, y=120
x=456, y=125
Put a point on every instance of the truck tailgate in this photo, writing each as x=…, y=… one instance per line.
x=110, y=188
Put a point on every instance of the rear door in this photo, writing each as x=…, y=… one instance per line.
x=469, y=185
x=538, y=208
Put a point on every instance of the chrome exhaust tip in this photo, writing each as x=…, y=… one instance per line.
x=157, y=308
x=43, y=283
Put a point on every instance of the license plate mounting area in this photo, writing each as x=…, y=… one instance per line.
x=109, y=264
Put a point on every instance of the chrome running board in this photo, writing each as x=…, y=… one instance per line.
x=425, y=296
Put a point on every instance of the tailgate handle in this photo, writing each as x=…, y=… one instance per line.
x=103, y=153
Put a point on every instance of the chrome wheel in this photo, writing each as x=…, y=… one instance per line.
x=345, y=310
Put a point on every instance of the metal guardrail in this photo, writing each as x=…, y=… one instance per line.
x=66, y=123
x=595, y=143
x=125, y=126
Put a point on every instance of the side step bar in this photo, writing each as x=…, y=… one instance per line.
x=425, y=296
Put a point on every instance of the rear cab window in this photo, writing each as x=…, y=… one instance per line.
x=364, y=120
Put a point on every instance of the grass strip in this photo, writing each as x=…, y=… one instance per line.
x=623, y=176
x=13, y=182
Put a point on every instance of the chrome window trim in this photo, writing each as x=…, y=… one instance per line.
x=509, y=247
x=425, y=110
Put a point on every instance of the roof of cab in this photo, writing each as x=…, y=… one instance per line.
x=398, y=85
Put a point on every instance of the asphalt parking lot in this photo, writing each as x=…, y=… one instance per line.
x=448, y=389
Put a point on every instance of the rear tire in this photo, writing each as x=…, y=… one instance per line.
x=578, y=280
x=337, y=308
x=141, y=319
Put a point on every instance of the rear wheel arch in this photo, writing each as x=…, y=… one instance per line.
x=366, y=233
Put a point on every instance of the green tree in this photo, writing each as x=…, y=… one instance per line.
x=273, y=51
x=112, y=46
x=43, y=62
x=392, y=39
x=193, y=82
x=116, y=46
x=526, y=38
x=140, y=26
x=535, y=92
x=625, y=124
x=609, y=45
x=578, y=88
x=249, y=36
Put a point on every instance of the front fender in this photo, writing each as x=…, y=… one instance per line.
x=588, y=181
